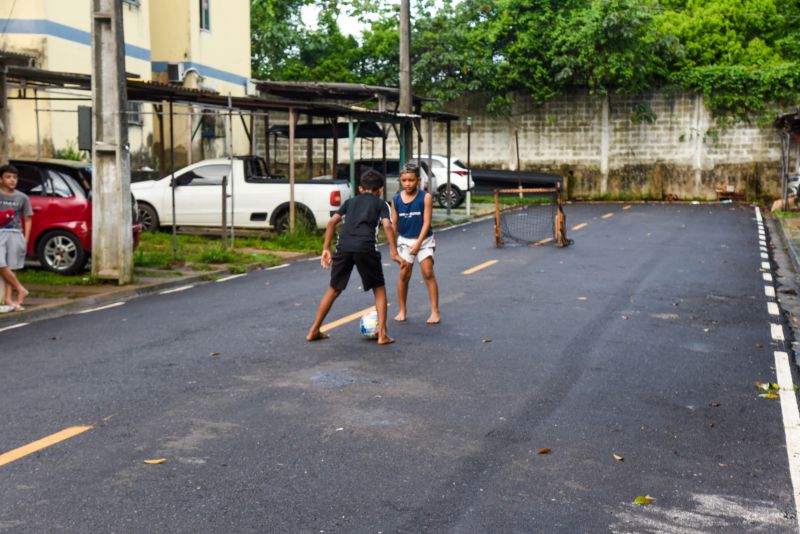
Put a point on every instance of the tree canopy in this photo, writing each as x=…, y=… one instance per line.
x=742, y=55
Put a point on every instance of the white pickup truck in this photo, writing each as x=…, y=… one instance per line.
x=258, y=201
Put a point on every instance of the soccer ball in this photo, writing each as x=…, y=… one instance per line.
x=369, y=325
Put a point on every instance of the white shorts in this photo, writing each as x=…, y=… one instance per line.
x=404, y=245
x=12, y=250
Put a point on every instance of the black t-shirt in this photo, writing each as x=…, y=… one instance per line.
x=362, y=216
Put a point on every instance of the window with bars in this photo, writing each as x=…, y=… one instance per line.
x=135, y=113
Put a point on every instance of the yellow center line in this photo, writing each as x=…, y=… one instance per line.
x=579, y=226
x=43, y=443
x=345, y=320
x=479, y=267
x=607, y=215
x=626, y=207
x=542, y=242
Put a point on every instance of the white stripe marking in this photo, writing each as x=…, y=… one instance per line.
x=764, y=256
x=282, y=265
x=762, y=243
x=103, y=307
x=769, y=291
x=231, y=277
x=767, y=277
x=772, y=308
x=777, y=332
x=765, y=265
x=177, y=289
x=791, y=422
x=764, y=249
x=13, y=326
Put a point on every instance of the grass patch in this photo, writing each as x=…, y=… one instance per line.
x=32, y=276
x=198, y=252
x=297, y=241
x=781, y=214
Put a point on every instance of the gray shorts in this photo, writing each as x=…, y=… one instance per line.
x=12, y=250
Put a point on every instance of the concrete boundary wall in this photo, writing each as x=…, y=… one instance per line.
x=654, y=145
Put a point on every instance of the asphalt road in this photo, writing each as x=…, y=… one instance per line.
x=642, y=340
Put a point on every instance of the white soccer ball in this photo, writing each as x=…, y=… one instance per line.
x=369, y=325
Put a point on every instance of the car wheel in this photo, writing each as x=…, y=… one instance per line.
x=453, y=200
x=61, y=252
x=303, y=220
x=148, y=217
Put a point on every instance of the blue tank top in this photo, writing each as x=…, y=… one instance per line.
x=410, y=216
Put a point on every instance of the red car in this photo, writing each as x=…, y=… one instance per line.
x=60, y=193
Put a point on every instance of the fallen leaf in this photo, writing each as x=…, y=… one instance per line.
x=156, y=462
x=624, y=317
x=706, y=330
x=543, y=450
x=486, y=340
x=583, y=298
x=761, y=385
x=769, y=395
x=714, y=404
x=214, y=354
x=759, y=345
x=774, y=387
x=643, y=499
x=617, y=457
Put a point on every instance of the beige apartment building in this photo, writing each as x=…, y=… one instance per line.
x=203, y=44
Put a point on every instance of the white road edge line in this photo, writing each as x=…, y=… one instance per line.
x=791, y=422
x=765, y=265
x=177, y=289
x=777, y=332
x=283, y=265
x=764, y=256
x=772, y=308
x=769, y=291
x=231, y=277
x=103, y=307
x=767, y=277
x=13, y=326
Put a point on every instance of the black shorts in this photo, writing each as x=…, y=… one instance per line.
x=368, y=264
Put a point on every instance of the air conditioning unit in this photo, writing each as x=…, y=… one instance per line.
x=175, y=72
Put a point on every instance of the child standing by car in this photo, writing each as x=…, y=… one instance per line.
x=15, y=229
x=358, y=247
x=412, y=212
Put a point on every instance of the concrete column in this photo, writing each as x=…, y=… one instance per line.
x=699, y=128
x=112, y=240
x=605, y=137
x=3, y=123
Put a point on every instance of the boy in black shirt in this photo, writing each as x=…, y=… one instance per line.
x=358, y=246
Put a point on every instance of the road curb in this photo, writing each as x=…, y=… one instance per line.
x=794, y=254
x=60, y=309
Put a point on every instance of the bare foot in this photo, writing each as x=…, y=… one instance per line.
x=400, y=317
x=385, y=340
x=317, y=336
x=434, y=318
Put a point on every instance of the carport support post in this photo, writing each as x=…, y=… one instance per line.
x=352, y=136
x=112, y=239
x=449, y=187
x=431, y=185
x=469, y=166
x=291, y=169
x=172, y=178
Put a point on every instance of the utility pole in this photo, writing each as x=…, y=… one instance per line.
x=112, y=240
x=406, y=96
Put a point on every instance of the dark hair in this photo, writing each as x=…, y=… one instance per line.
x=410, y=168
x=371, y=180
x=8, y=168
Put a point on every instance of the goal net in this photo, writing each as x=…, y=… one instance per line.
x=530, y=215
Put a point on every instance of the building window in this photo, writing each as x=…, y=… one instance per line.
x=205, y=15
x=135, y=3
x=134, y=113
